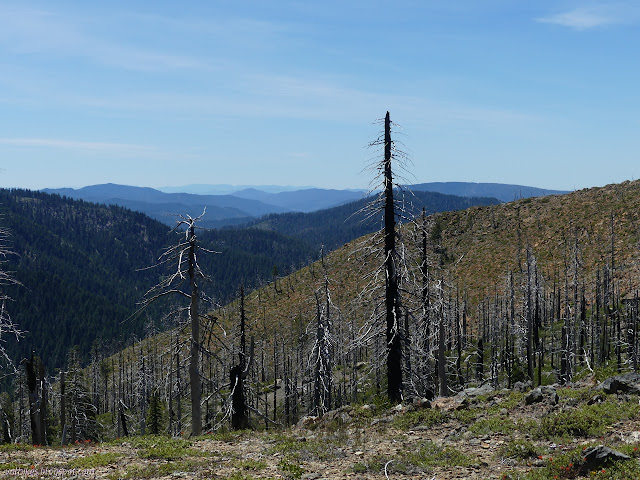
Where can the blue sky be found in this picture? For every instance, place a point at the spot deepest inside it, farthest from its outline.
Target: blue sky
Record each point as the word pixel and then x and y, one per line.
pixel 541 93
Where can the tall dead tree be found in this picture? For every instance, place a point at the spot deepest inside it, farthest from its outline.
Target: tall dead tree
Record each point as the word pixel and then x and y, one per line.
pixel 321 352
pixel 238 373
pixel 184 279
pixel 37 399
pixel 7 327
pixel 392 258
pixel 392 295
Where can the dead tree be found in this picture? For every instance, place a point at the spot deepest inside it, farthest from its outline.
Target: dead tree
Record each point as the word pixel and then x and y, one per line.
pixel 37 399
pixel 321 352
pixel 238 373
pixel 184 279
pixel 392 259
pixel 7 327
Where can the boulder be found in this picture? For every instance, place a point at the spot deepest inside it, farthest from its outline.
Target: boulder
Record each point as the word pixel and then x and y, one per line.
pixel 625 383
pixel 600 456
pixel 449 403
pixel 522 386
pixel 420 403
pixel 596 399
pixel 474 392
pixel 542 394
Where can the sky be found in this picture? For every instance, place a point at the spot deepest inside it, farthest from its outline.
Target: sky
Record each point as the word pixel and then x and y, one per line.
pixel 158 93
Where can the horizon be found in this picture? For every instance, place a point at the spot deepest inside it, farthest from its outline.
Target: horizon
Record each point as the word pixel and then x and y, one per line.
pixel 158 94
pixel 193 188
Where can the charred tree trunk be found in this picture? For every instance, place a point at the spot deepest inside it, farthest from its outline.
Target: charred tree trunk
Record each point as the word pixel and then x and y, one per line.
pixel 37 398
pixel 239 415
pixel 194 370
pixel 394 346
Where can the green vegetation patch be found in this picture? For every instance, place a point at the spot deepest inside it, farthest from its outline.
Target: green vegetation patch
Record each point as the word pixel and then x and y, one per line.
pixel 468 415
pixel 253 465
pixel 571 465
pixel 302 449
pixel 430 455
pixel 426 456
pixel 16 447
pixel 290 469
pixel 494 424
pixel 95 460
pixel 152 471
pixel 160 447
pixel 517 449
pixel 425 417
pixel 587 420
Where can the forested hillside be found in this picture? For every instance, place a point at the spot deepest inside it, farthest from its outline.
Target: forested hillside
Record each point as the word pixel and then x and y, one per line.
pixel 335 226
pixel 79 265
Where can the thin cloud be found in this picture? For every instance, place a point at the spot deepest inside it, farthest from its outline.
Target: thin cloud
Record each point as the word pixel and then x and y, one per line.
pixel 95 147
pixel 586 18
pixel 32 31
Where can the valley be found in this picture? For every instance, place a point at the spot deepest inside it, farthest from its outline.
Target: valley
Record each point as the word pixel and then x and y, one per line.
pixel 540 290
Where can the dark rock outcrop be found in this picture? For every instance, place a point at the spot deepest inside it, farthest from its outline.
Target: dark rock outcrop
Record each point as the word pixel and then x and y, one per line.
pixel 625 383
pixel 542 394
pixel 600 456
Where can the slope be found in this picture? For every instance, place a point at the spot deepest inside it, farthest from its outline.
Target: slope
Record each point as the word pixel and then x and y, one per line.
pixel 335 226
pixel 80 263
pixel 474 249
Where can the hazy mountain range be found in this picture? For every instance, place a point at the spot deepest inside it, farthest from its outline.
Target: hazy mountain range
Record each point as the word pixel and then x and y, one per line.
pixel 235 205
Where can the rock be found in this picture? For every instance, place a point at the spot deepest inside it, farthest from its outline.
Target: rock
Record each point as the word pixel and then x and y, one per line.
pixel 625 383
pixel 309 421
pixel 550 395
pixel 311 476
pixel 522 386
pixel 446 403
pixel 474 392
pixel 595 399
pixel 546 394
pixel 534 396
pixel 596 457
pixel 387 419
pixel 419 403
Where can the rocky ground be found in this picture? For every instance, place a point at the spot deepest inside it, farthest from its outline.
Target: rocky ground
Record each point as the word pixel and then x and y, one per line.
pixel 479 434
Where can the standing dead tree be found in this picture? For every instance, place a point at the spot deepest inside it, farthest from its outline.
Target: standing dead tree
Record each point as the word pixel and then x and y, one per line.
pixel 321 360
pixel 238 373
pixel 7 327
pixel 37 399
pixel 184 280
pixel 388 250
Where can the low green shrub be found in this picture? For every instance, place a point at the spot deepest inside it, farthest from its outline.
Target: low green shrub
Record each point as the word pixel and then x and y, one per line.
pixel 517 449
pixel 426 417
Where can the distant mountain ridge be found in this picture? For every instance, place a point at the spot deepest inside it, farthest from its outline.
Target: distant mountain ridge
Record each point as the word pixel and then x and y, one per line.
pixel 307 200
pixel 241 204
pixel 227 189
pixel 221 209
pixel 502 191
